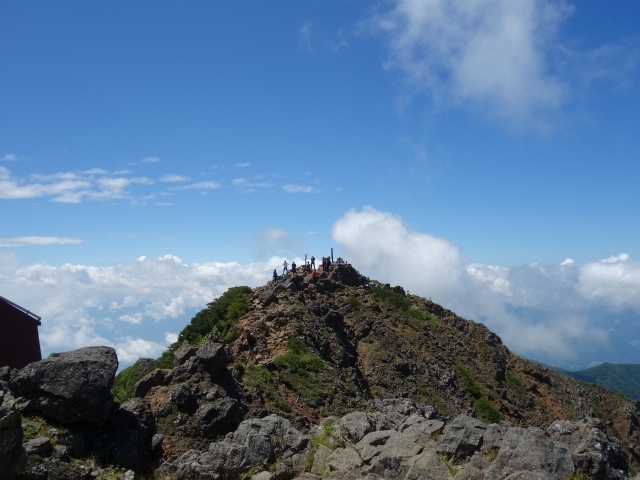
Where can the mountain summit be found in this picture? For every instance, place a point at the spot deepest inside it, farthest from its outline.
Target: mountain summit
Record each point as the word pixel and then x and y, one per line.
pixel 349 379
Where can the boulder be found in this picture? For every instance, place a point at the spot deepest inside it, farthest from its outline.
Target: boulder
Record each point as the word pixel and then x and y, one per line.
pixel 155 378
pixel 462 437
pixel 70 387
pixel 594 453
pixel 183 353
pixel 212 354
pixel 531 450
pixel 40 446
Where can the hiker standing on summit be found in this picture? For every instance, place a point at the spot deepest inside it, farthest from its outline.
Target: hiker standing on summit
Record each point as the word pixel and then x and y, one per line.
pixel 313 262
pixel 284 267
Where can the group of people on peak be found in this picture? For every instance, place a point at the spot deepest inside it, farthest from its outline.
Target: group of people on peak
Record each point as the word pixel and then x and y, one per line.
pixel 308 267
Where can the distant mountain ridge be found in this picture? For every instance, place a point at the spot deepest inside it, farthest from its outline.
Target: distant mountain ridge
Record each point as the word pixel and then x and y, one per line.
pixel 623 378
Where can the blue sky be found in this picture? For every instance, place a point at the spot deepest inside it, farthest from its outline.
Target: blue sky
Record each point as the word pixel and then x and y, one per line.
pixel 480 153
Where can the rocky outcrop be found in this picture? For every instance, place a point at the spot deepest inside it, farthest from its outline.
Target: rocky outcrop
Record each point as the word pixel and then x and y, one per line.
pixel 402 441
pixel 255 442
pixel 71 387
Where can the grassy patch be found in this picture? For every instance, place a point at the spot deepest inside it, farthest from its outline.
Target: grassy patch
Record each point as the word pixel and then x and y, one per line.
pixel 299 370
pixel 260 378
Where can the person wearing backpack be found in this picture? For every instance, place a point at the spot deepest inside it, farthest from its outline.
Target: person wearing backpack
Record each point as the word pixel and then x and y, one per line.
pixel 250 342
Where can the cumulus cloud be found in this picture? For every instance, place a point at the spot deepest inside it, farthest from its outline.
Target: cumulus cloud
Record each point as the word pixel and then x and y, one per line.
pixel 560 314
pixel 615 279
pixel 488 54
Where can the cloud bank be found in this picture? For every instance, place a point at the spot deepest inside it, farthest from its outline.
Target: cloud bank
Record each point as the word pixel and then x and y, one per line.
pixel 138 307
pixel 568 314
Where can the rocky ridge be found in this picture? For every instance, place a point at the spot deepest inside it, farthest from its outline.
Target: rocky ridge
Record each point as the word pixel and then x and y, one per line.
pixel 352 379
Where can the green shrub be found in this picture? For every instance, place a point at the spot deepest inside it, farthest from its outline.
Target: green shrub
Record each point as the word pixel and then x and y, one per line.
pixel 298 357
pixel 125 382
pixel 516 390
pixel 390 299
pixel 472 387
pixel 487 412
pixel 220 316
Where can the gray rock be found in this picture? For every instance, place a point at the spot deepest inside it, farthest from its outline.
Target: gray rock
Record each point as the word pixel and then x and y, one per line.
pixel 212 354
pixel 594 454
pixel 372 443
pixel 40 446
pixel 152 379
pixel 255 442
pixel 70 387
pixel 342 459
pixel 217 417
pixel 125 439
pixel 183 353
pixel 428 467
pixel 462 438
pixel 320 460
pixel 531 450
pixel 388 468
pixel 357 425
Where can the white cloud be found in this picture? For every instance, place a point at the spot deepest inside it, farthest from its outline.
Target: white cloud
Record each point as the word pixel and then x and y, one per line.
pixel 150 160
pixel 615 280
pixel 291 188
pixel 37 240
pixel 492 54
pixel 131 349
pixel 243 165
pixel 173 178
pixel 200 186
pixel 10 157
pixel 382 247
pixel 68 187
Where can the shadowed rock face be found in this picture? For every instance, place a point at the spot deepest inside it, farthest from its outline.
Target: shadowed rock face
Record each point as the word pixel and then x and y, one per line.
pixel 70 387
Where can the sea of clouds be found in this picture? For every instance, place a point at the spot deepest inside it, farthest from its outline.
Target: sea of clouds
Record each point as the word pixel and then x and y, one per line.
pixel 570 315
